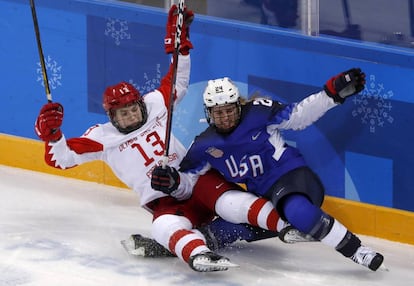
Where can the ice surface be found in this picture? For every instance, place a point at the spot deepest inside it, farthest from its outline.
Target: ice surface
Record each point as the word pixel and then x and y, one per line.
pixel 59 231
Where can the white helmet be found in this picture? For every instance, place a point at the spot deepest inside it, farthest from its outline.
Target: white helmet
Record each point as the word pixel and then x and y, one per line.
pixel 220 91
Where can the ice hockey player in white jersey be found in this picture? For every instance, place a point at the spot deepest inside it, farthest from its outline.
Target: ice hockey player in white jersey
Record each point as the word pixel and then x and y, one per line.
pixel 244 143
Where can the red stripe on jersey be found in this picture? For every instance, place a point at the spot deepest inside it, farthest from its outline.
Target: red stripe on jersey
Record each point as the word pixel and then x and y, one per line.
pixel 78 145
pixel 254 210
pixel 48 156
pixel 84 145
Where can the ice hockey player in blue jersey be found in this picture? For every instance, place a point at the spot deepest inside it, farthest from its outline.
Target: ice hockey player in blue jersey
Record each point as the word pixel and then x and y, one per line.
pixel 245 144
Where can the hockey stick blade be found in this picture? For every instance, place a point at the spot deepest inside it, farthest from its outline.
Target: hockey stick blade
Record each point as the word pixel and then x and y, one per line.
pixel 140 251
pixel 138 245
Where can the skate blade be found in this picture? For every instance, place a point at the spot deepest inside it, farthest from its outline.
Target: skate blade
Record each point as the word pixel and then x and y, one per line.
pixel 383 268
pixel 140 251
pixel 226 264
pixel 294 236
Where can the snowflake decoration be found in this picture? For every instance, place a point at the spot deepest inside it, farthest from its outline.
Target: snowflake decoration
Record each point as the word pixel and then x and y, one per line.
pixel 53 71
pixel 181 116
pixel 150 83
pixel 117 29
pixel 373 105
pixel 153 81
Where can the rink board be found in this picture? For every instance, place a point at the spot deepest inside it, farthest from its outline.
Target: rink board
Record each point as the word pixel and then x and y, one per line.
pixel 362 218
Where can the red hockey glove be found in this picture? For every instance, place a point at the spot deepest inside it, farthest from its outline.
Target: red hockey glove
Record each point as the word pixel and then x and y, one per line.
pixel 165 179
pixel 169 39
pixel 345 84
pixel 48 122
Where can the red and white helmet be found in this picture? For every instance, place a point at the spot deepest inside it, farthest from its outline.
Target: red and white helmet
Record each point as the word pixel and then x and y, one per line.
pixel 120 95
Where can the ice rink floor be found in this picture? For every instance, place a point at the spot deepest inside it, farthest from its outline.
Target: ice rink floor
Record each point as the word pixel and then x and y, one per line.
pixel 58 231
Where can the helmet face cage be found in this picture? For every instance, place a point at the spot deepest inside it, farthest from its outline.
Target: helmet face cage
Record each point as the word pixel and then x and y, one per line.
pixel 210 118
pixel 220 92
pixel 122 95
pixel 130 128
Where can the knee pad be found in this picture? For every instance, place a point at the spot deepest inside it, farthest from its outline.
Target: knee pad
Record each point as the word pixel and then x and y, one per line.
pixel 243 207
pixel 233 206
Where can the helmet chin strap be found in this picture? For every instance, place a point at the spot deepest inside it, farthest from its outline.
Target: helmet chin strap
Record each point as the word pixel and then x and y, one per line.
pixel 130 128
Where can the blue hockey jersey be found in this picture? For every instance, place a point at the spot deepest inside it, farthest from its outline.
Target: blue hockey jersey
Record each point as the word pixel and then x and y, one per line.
pixel 255 153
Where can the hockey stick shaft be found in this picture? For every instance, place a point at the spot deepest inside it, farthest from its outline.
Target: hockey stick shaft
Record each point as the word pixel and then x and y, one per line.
pixel 347 14
pixel 411 13
pixel 177 42
pixel 40 50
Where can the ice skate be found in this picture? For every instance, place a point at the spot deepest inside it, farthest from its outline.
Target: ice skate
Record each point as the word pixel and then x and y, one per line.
pixel 289 234
pixel 209 261
pixel 139 245
pixel 368 258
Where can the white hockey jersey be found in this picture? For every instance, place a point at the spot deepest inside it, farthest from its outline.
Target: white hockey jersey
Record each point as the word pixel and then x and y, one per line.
pixel 133 156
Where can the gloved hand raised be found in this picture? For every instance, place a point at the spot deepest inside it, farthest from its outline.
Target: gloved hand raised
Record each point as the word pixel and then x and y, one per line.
pixel 169 39
pixel 345 84
pixel 165 179
pixel 48 122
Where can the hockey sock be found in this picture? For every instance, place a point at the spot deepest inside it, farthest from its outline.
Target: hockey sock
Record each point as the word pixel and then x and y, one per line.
pixel 301 213
pixel 176 234
pixel 311 220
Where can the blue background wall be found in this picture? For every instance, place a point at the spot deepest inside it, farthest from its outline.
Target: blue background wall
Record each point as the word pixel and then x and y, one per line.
pixel 362 149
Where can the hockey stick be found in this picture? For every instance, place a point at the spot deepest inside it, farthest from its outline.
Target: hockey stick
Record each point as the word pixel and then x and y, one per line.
pixel 39 48
pixel 347 14
pixel 177 42
pixel 411 13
